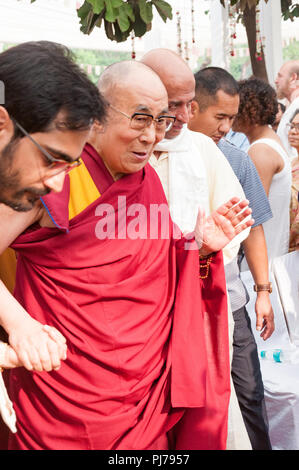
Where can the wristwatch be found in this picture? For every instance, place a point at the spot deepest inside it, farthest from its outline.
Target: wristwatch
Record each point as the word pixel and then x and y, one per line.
pixel 263 287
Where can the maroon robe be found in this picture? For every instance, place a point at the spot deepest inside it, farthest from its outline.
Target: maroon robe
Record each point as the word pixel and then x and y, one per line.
pixel 133 313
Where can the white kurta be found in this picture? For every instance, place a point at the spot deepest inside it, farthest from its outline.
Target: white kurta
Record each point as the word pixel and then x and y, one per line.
pixel 199 175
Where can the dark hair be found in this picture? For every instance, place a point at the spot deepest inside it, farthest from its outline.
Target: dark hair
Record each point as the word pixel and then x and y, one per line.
pixel 209 81
pixel 258 102
pixel 281 106
pixel 295 114
pixel 41 79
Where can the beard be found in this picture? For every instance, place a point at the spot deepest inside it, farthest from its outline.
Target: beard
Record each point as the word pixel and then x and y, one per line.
pixel 24 200
pixel 11 192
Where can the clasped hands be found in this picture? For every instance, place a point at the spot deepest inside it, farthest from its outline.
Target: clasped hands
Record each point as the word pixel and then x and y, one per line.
pixel 34 346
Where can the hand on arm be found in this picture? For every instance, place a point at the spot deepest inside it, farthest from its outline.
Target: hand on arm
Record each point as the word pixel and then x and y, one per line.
pixel 37 347
pixel 255 250
pixel 8 357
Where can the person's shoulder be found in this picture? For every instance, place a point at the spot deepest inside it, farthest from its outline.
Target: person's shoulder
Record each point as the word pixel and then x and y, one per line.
pixel 230 149
pixel 200 139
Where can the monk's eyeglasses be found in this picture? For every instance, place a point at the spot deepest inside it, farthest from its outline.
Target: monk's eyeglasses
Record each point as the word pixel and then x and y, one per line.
pixel 140 121
pixel 55 165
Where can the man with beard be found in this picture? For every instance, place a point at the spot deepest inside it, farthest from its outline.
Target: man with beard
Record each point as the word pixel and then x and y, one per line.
pixel 47 109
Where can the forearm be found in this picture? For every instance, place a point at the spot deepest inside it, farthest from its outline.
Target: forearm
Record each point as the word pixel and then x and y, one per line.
pixel 37 346
pixel 11 311
pixel 255 250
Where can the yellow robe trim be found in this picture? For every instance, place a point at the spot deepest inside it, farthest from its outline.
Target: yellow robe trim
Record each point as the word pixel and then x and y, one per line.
pixel 83 191
pixel 8 265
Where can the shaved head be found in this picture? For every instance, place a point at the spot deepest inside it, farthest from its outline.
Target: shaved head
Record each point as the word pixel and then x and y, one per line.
pixel 179 82
pixel 287 80
pixel 170 67
pixel 292 66
pixel 126 75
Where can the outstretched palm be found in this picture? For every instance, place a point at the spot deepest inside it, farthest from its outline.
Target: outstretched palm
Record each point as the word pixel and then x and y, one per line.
pixel 214 232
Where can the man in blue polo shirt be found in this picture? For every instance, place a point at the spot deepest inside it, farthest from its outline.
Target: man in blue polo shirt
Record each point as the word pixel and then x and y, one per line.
pixel 212 113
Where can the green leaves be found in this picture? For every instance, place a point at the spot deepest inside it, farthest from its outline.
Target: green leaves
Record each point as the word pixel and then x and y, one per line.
pixel 164 9
pixel 97 5
pixel 146 11
pixel 121 16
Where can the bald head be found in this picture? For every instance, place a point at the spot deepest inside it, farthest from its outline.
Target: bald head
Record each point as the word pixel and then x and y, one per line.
pixel 179 82
pixel 287 80
pixel 168 65
pixel 292 66
pixel 126 75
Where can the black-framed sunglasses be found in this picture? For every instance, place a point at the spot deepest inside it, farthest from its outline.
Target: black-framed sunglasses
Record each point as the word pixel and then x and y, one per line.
pixel 55 165
pixel 140 121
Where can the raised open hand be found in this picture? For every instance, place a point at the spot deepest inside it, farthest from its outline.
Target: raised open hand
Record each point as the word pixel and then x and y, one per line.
pixel 214 232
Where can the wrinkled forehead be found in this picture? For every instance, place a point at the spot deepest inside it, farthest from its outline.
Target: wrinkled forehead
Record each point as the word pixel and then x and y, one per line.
pixel 145 96
pixel 180 87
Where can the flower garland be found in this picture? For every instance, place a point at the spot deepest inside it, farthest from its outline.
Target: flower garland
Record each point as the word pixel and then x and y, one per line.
pixel 179 33
pixel 232 28
pixel 192 22
pixel 259 39
pixel 133 53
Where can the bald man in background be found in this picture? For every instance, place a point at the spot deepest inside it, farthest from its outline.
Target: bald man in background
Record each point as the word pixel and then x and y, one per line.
pixel 287 85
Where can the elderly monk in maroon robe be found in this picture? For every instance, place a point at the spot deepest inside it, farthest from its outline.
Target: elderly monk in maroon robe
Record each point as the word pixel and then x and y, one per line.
pixel 104 265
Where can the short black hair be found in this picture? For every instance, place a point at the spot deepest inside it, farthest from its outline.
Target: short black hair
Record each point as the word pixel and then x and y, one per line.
pixel 40 80
pixel 209 80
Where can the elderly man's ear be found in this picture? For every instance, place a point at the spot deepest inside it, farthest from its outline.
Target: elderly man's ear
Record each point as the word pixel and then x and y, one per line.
pixel 95 132
pixel 294 82
pixel 97 127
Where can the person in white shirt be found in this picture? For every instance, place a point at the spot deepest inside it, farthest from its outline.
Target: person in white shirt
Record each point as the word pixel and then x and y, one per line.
pixel 287 86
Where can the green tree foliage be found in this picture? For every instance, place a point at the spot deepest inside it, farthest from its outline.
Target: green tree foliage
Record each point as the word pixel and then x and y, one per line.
pixel 291 52
pixel 121 17
pixel 246 13
pixel 289 9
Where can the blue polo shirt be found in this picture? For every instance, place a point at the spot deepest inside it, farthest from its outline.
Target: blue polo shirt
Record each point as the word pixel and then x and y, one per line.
pixel 250 181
